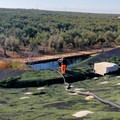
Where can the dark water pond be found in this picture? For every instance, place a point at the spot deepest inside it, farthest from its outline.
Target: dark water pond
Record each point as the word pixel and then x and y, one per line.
pixel 71 61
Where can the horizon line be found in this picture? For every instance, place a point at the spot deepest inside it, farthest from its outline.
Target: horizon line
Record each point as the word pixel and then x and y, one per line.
pixel 62 10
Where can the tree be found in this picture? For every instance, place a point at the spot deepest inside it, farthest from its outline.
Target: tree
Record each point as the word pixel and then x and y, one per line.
pixel 69 37
pixel 56 42
pixel 117 41
pixel 70 30
pixel 33 46
pixel 30 31
pixel 79 43
pixel 109 38
pixel 42 38
pixel 90 38
pixel 11 43
pixel 101 38
pixel 2 44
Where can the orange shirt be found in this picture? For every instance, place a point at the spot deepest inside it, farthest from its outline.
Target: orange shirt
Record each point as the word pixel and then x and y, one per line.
pixel 63 68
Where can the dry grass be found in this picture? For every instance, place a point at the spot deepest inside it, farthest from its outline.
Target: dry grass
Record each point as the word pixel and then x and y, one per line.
pixel 19 65
pixel 11 64
pixel 4 64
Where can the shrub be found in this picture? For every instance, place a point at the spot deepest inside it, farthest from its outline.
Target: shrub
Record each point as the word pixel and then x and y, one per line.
pixel 4 64
pixel 18 65
pixel 11 81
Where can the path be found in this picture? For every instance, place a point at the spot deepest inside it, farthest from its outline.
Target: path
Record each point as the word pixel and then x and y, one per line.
pixel 16 57
pixel 52 57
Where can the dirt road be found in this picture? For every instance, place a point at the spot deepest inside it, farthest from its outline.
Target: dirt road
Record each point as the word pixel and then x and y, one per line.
pixel 52 57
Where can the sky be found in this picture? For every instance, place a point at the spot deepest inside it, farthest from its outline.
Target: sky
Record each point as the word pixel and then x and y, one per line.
pixel 89 6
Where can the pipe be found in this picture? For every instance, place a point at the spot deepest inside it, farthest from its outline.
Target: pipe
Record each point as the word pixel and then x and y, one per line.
pixel 115 105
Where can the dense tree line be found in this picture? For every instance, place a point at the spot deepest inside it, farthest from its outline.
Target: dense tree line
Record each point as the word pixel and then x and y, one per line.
pixel 56 30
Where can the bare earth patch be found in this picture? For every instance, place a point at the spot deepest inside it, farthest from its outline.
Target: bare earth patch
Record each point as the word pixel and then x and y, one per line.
pixel 81 114
pixel 25 56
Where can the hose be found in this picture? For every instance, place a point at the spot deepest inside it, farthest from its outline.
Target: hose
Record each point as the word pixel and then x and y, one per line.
pixel 115 105
pixel 57 71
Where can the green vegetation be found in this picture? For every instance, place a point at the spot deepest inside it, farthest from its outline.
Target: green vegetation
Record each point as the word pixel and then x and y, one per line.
pixel 114 60
pixel 45 77
pixel 32 78
pixel 55 103
pixel 56 31
pixel 32 29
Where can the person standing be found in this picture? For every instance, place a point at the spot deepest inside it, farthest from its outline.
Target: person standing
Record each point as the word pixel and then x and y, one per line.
pixel 62 62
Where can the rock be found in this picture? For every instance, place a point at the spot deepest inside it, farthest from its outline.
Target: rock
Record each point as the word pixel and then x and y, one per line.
pixel 40 88
pixel 105 82
pixel 95 78
pixel 118 84
pixel 82 113
pixel 89 98
pixel 118 77
pixel 24 98
pixel 28 93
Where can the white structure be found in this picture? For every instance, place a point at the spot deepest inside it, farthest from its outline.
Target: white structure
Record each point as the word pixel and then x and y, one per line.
pixel 105 67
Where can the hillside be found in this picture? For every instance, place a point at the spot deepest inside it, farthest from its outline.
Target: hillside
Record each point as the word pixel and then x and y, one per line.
pixel 54 102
